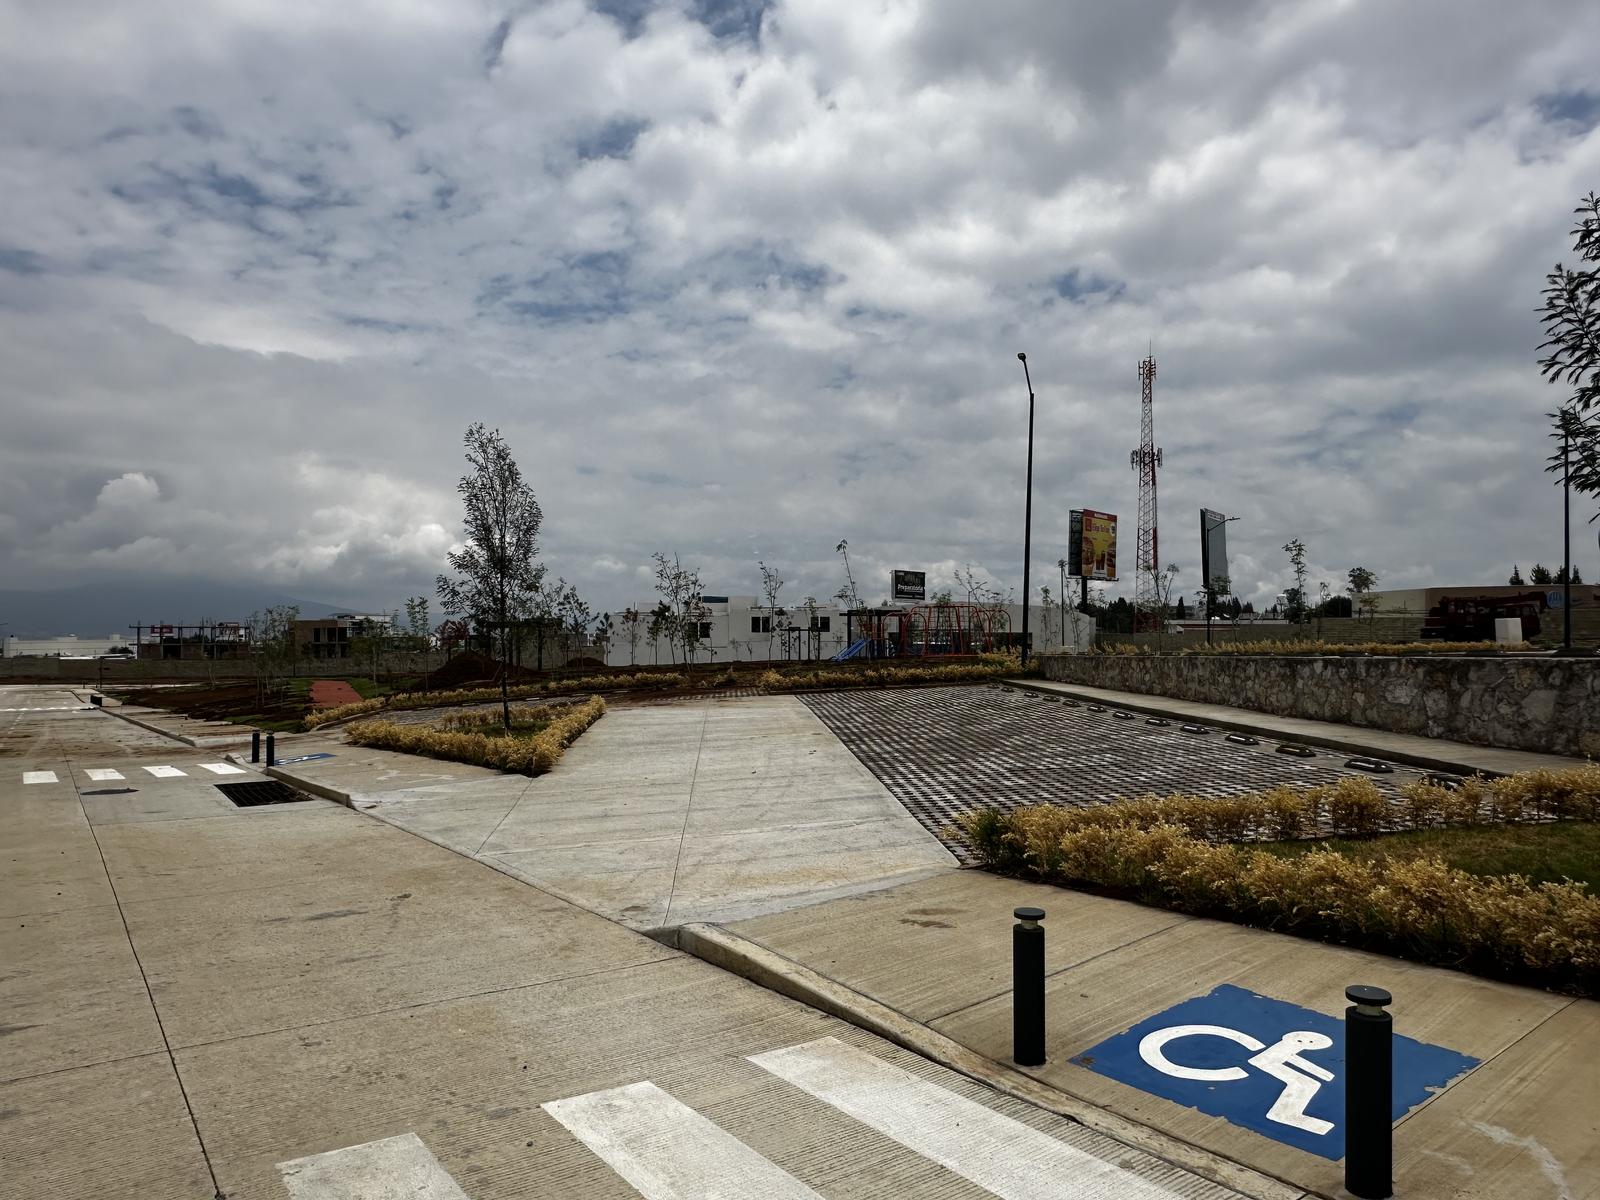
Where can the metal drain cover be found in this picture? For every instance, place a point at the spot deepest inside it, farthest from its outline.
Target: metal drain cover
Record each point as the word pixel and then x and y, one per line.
pixel 259 792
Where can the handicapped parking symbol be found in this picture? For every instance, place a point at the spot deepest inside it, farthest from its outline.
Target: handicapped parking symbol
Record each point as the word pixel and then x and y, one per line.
pixel 1282 1060
pixel 1263 1064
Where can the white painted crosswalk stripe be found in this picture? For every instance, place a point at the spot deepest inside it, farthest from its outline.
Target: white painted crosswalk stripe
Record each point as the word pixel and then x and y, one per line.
pixel 988 1148
pixel 38 777
pixel 166 772
pixel 667 1151
pixel 397 1166
pixel 102 774
pixel 222 768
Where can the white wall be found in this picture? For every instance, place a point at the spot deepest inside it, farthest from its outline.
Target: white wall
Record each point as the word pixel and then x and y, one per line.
pixel 732 639
pixel 72 644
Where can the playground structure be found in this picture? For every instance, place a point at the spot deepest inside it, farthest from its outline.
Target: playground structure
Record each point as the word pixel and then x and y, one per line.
pixel 926 631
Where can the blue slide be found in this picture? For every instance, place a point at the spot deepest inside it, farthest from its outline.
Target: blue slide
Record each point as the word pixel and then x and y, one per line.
pixel 851 651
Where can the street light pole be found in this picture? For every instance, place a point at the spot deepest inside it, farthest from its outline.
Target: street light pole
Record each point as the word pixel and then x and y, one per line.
pixel 1027 520
pixel 1566 537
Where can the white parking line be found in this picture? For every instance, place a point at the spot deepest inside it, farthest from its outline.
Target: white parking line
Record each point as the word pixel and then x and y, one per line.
pixel 667 1151
pixel 38 777
pixel 988 1148
pixel 222 768
pixel 397 1166
pixel 102 774
pixel 166 772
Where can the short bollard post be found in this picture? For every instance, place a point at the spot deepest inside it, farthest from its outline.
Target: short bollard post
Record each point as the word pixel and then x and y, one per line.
pixel 1027 987
pixel 272 750
pixel 255 745
pixel 1368 1093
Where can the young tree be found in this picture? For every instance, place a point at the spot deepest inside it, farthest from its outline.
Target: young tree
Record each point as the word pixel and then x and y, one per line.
pixel 1540 575
pixel 771 585
pixel 498 567
pixel 632 623
pixel 1049 615
pixel 679 589
pixel 1361 581
pixel 847 594
pixel 1571 320
pixel 1516 576
pixel 1164 582
pixel 604 631
pixel 662 625
pixel 1296 550
pixel 273 653
pixel 573 618
pixel 414 636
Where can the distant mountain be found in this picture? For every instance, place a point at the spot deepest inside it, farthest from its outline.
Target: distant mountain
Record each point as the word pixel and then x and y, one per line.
pixel 96 609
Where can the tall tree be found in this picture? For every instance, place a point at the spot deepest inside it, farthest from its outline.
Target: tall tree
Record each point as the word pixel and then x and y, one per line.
pixel 498 564
pixel 1296 550
pixel 1516 576
pixel 847 594
pixel 1571 320
pixel 679 588
pixel 1540 575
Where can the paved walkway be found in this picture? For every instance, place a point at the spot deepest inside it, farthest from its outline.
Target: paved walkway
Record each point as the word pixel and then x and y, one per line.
pixel 1434 754
pixel 301 1002
pixel 1526 1123
pixel 659 815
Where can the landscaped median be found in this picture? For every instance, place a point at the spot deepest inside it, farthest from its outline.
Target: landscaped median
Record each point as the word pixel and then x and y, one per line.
pixel 1180 852
pixel 651 681
pixel 534 743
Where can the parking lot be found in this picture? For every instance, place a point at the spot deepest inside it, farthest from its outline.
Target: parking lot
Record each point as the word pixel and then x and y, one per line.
pixel 944 752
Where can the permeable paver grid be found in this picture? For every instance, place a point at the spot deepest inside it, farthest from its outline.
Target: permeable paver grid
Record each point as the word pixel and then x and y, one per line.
pixel 943 752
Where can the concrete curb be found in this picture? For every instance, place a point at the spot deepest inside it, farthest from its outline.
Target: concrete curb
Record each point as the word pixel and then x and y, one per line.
pixel 166 733
pixel 742 957
pixel 1353 746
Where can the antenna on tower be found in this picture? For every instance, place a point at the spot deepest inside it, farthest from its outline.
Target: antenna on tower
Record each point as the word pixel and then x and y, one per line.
pixel 1145 460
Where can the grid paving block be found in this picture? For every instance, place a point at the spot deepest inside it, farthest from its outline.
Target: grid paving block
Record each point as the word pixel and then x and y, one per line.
pixel 946 752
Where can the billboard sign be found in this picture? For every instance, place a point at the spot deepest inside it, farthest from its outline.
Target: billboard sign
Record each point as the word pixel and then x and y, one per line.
pixel 909 585
pixel 1098 545
pixel 1213 548
pixel 1075 543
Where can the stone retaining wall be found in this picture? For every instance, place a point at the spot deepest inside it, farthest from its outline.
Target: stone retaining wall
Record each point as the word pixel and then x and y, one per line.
pixel 1519 702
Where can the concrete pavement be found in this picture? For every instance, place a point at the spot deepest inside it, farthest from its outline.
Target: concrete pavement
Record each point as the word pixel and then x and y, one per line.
pixel 1525 1123
pixel 1433 754
pixel 298 1001
pixel 660 814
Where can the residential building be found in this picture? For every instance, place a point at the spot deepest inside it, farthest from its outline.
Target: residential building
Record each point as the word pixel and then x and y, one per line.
pixel 330 637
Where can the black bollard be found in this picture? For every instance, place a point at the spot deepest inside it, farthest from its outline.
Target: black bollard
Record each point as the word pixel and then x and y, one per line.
pixel 255 745
pixel 272 751
pixel 1368 1093
pixel 1027 987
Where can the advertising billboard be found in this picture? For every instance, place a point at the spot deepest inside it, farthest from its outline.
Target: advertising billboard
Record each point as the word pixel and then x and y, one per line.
pixel 1213 548
pixel 1098 545
pixel 909 585
pixel 1075 543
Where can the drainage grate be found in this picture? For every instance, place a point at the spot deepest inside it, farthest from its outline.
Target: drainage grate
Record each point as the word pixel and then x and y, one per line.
pixel 251 795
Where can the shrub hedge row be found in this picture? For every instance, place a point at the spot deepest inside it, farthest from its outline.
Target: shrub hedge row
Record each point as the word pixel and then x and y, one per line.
pixel 553 687
pixel 528 755
pixel 988 666
pixel 1174 853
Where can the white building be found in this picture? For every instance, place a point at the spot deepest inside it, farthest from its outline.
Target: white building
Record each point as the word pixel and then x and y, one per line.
pixel 742 629
pixel 70 646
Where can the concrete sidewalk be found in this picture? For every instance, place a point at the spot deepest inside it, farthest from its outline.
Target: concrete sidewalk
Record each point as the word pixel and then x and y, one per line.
pixel 659 815
pixel 1526 1123
pixel 1432 754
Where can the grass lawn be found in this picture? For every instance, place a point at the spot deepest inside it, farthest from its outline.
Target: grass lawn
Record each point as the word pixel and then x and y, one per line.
pixel 1544 853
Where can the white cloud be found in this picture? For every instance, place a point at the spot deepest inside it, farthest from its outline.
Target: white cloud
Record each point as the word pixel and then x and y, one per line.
pixel 262 265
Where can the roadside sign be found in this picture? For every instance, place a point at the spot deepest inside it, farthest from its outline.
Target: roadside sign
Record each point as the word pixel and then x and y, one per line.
pixel 910 585
pixel 1263 1064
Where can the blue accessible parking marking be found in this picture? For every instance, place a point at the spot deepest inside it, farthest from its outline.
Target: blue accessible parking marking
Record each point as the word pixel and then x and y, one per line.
pixel 1264 1064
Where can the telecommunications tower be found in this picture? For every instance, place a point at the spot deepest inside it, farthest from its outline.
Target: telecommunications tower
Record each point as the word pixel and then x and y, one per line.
pixel 1145 460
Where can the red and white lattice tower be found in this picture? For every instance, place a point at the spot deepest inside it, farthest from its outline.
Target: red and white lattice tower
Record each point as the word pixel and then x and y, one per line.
pixel 1145 460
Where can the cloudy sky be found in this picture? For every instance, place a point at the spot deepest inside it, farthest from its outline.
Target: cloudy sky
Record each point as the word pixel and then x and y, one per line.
pixel 740 279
